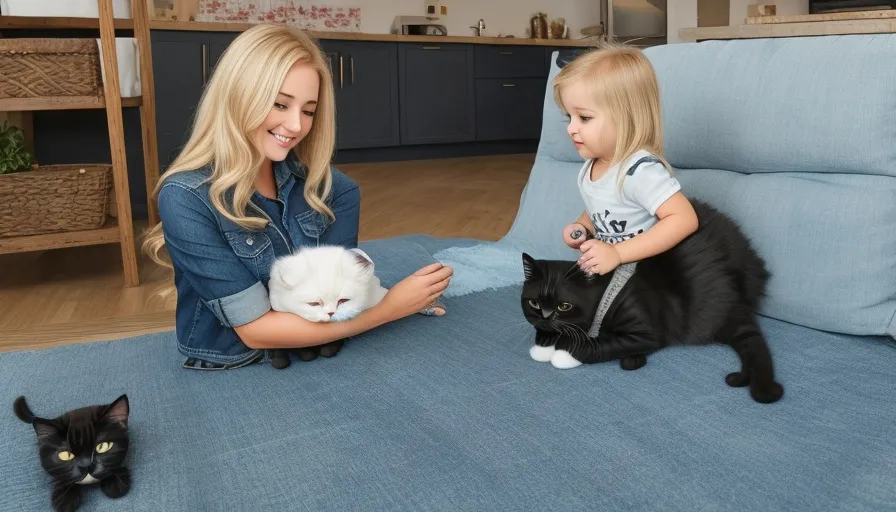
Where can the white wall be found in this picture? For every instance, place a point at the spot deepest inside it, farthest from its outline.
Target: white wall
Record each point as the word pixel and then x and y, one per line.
pixel 505 17
pixel 680 14
pixel 738 12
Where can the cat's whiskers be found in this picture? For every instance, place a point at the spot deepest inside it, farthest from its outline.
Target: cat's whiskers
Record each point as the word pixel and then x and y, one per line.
pixel 570 334
pixel 584 334
pixel 522 339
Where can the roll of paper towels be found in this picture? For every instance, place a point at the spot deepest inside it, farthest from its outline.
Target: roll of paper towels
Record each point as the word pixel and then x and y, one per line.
pixel 65 8
pixel 128 65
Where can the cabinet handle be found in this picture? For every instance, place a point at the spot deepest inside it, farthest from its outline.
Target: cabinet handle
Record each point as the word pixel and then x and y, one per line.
pixel 509 85
pixel 351 61
pixel 340 71
pixel 505 53
pixel 204 64
pixel 431 47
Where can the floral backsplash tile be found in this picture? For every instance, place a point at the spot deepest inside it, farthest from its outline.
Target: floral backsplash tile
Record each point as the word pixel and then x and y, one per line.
pixel 304 15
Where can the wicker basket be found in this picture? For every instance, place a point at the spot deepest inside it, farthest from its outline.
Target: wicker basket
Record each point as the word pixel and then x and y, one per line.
pixel 54 198
pixel 40 68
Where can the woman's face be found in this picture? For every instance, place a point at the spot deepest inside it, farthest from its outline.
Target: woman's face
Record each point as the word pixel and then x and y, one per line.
pixel 291 114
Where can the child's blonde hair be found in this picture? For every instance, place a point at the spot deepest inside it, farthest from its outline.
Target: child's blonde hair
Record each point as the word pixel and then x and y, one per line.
pixel 623 82
pixel 237 99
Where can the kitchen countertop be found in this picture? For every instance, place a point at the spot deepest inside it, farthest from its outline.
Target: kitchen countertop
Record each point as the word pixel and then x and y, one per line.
pixel 34 22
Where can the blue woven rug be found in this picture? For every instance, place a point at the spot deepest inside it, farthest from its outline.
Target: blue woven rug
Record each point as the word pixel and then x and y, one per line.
pixel 451 414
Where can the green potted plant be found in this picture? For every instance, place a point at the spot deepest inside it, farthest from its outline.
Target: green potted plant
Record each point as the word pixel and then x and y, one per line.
pixel 14 153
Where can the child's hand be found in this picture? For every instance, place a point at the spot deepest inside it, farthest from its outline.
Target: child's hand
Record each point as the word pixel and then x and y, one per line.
pixel 598 257
pixel 574 228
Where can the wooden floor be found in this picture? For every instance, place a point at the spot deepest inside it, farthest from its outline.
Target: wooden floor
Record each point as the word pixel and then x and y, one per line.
pixel 78 295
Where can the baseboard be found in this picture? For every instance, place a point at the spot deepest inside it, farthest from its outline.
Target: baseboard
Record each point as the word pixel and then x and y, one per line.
pixel 432 151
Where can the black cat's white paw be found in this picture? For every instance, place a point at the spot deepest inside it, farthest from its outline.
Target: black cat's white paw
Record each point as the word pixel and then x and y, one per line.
pixel 563 360
pixel 541 354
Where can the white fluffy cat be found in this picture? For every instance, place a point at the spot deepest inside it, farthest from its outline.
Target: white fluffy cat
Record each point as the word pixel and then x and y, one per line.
pixel 324 283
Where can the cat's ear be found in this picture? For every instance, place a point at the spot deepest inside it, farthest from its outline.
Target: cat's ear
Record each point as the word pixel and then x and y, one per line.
pixel 118 411
pixel 44 428
pixel 283 269
pixel 530 267
pixel 363 260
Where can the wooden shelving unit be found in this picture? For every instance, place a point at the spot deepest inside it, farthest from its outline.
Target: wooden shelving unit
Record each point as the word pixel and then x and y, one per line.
pixel 118 229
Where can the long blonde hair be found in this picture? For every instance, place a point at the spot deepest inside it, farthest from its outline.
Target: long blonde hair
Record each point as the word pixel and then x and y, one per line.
pixel 237 99
pixel 623 81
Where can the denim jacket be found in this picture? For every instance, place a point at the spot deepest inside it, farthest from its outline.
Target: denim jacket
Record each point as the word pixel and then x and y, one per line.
pixel 221 270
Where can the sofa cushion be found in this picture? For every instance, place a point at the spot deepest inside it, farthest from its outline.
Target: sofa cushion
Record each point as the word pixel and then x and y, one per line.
pixel 804 104
pixel 829 241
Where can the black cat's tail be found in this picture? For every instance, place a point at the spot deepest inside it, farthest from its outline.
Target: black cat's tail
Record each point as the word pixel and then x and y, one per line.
pixel 20 407
pixel 743 334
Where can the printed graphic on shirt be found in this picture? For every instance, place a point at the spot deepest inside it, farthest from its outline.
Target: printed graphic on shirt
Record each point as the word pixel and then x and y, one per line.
pixel 610 230
pixel 619 215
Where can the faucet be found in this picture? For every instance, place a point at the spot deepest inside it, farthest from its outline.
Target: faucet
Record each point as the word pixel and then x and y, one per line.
pixel 479 27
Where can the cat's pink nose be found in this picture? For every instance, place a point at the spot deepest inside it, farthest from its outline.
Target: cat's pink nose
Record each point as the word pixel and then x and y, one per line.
pixel 331 313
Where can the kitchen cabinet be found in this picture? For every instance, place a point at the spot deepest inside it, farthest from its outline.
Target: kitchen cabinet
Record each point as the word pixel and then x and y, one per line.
pixel 217 43
pixel 183 62
pixel 510 89
pixel 509 108
pixel 365 79
pixel 437 100
pixel 180 66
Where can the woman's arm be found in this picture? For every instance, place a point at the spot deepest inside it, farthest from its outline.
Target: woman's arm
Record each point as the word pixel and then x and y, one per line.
pixel 277 329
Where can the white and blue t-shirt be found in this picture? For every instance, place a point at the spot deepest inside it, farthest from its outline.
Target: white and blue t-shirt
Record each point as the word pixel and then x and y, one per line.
pixel 620 215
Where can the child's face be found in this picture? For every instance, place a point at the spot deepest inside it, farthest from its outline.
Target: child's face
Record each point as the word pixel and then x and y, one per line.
pixel 291 114
pixel 590 127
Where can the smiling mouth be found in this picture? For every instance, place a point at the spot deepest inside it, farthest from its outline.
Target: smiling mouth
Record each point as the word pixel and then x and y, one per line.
pixel 281 138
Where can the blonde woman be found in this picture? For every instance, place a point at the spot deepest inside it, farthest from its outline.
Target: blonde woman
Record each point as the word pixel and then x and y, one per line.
pixel 634 207
pixel 253 183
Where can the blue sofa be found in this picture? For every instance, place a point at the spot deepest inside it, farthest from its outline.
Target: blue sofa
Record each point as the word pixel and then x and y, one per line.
pixel 794 138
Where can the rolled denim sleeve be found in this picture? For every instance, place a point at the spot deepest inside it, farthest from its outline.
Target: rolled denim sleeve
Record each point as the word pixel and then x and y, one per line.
pixel 202 257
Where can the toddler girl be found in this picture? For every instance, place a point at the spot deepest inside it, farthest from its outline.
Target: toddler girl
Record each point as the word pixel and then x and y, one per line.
pixel 634 208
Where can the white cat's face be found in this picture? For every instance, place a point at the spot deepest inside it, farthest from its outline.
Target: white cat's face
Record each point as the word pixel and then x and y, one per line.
pixel 322 284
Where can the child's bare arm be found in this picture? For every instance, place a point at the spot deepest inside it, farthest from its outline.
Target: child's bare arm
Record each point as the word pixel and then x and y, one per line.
pixel 585 221
pixel 677 221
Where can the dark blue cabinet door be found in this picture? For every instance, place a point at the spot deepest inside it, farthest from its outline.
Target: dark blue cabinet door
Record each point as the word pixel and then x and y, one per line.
pixel 509 108
pixel 179 64
pixel 217 43
pixel 365 79
pixel 436 93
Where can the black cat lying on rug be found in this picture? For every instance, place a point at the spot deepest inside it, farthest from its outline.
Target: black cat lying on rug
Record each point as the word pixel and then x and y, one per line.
pixel 704 290
pixel 83 446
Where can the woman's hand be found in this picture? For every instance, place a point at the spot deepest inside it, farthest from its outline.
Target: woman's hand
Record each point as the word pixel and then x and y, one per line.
pixel 417 291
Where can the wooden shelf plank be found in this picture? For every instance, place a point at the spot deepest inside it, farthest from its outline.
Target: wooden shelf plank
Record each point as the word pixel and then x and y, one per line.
pixel 61 103
pixel 38 22
pixel 107 234
pixel 804 29
pixel 831 16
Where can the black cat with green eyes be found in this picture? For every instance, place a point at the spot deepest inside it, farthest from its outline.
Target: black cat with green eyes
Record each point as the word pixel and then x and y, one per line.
pixel 83 446
pixel 704 290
